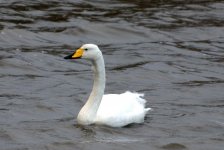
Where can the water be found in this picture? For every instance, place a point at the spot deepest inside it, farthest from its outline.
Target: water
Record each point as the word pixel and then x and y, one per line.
pixel 173 51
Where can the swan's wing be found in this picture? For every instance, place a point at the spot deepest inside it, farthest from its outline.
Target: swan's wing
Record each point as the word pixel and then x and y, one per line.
pixel 122 109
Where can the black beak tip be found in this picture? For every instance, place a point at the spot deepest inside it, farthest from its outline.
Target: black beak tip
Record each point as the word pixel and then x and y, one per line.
pixel 68 57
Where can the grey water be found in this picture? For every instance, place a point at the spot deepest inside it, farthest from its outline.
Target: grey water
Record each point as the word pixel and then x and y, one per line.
pixel 173 51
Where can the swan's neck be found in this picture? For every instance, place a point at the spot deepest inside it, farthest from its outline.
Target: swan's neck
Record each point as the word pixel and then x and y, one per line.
pixel 89 110
pixel 98 85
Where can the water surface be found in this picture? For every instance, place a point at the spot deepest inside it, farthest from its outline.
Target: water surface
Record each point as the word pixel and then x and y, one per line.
pixel 173 51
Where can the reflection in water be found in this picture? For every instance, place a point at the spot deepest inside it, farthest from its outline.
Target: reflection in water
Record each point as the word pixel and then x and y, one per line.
pixel 170 50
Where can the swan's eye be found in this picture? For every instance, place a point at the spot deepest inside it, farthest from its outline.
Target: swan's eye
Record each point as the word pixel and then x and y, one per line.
pixel 86 49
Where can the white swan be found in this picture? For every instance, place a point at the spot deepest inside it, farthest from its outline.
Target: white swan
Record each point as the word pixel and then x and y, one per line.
pixel 115 110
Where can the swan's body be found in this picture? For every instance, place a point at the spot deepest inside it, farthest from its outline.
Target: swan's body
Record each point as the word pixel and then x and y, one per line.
pixel 114 110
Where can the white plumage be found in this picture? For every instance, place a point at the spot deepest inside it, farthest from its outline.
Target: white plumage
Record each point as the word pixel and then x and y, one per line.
pixel 121 109
pixel 114 110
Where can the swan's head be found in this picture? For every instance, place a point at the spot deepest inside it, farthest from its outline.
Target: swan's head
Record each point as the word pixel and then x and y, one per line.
pixel 86 51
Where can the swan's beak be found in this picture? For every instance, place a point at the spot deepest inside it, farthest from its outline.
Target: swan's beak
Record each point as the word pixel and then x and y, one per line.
pixel 78 54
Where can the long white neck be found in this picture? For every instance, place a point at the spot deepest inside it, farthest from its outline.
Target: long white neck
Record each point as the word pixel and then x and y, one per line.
pixel 89 110
pixel 98 85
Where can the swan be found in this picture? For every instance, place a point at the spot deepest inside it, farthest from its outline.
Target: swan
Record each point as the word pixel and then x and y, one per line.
pixel 115 110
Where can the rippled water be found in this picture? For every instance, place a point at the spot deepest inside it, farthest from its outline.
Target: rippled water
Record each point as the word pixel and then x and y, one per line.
pixel 173 51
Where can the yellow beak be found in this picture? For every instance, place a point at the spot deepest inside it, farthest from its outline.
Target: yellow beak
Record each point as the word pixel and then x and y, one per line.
pixel 78 54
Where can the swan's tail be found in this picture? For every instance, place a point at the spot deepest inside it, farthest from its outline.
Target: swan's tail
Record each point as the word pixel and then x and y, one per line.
pixel 148 109
pixel 140 99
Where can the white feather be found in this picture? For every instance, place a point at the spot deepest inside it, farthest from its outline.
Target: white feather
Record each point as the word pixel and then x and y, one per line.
pixel 121 109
